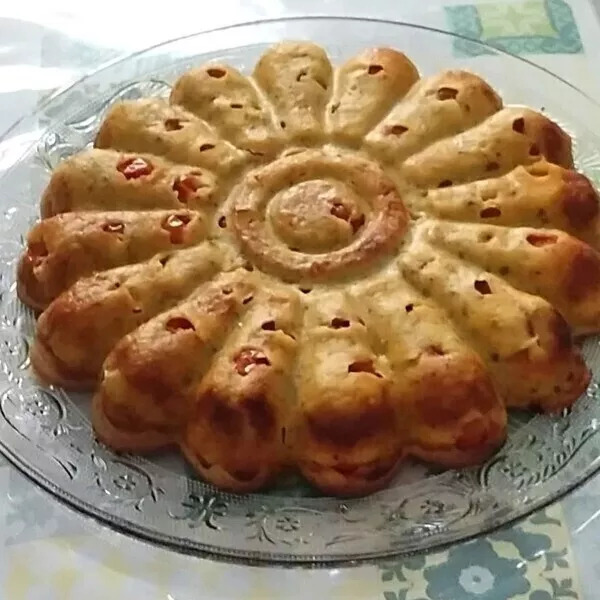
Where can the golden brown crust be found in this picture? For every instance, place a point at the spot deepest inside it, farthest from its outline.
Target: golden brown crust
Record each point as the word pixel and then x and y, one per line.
pixel 435 108
pixel 525 342
pixel 51 370
pixel 125 440
pixel 365 89
pixel 509 138
pixel 223 96
pixel 154 126
pixel 81 326
pixel 296 77
pixel 367 202
pixel 242 408
pixel 459 420
pixel 538 195
pixel 346 418
pixel 385 291
pixel 444 399
pixel 108 180
pixel 348 480
pixel 549 263
pixel 579 203
pixel 239 482
pixel 65 248
pixel 149 377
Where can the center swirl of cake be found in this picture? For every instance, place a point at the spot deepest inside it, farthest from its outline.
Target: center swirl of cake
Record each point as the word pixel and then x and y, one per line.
pixel 318 214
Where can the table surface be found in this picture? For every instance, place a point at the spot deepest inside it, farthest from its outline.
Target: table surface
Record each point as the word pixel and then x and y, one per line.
pixel 49 552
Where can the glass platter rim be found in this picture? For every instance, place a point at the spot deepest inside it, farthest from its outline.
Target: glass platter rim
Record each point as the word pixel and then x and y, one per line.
pixel 257 22
pixel 86 509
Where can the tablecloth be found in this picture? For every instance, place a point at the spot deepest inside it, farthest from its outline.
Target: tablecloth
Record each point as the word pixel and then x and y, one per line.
pixel 48 552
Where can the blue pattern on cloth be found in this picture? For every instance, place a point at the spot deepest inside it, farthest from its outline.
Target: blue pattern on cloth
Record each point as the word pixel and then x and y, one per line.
pixel 526 27
pixel 529 561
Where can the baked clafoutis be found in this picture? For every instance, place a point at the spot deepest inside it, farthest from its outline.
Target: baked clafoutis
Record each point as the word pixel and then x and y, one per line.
pixel 316 268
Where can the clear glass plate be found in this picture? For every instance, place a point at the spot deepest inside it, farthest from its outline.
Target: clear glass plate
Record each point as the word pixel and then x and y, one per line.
pixel 47 434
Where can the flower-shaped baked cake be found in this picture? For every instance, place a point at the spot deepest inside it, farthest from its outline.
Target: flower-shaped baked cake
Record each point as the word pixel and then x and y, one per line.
pixel 316 268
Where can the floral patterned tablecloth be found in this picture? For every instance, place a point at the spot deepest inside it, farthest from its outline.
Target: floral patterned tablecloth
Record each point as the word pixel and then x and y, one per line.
pixel 48 552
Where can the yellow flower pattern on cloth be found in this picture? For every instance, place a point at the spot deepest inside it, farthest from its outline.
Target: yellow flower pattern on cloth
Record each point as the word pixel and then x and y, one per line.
pixel 51 554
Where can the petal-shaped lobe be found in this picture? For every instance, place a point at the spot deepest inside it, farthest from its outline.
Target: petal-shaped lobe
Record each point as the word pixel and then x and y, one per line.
pixel 153 125
pixel 107 180
pixel 539 195
pixel 347 439
pixel 435 108
pixel 365 88
pixel 148 380
pixel 67 247
pixel 525 342
pixel 296 78
pixel 76 332
pixel 546 262
pixel 514 136
pixel 236 436
pixel 442 394
pixel 227 100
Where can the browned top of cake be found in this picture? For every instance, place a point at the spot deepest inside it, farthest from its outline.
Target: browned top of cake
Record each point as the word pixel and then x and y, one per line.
pixel 316 267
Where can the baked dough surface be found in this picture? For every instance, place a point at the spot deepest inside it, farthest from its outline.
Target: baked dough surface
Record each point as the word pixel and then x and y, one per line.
pixel 318 268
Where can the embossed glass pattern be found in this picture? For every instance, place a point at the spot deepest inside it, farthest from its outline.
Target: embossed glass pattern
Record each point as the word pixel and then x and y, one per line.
pixel 46 432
